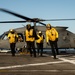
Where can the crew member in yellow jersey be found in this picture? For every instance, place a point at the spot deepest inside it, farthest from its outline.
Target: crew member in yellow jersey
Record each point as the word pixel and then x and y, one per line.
pixel 12 40
pixel 30 39
pixel 52 38
pixel 39 42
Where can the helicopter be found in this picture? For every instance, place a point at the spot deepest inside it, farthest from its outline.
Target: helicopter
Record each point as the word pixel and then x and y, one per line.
pixel 66 38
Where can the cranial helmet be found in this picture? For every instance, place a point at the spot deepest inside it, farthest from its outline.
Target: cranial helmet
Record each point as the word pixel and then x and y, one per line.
pixel 39 32
pixel 11 30
pixel 48 25
pixel 28 26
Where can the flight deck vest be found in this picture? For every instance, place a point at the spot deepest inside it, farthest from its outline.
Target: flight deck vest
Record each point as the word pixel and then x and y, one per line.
pixel 12 37
pixel 29 35
pixel 40 40
pixel 51 34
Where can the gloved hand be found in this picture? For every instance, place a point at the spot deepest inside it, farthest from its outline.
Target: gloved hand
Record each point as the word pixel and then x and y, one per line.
pixel 56 39
pixel 47 43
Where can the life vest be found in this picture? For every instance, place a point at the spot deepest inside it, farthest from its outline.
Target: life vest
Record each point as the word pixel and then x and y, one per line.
pixel 28 34
pixel 51 34
pixel 40 39
pixel 12 37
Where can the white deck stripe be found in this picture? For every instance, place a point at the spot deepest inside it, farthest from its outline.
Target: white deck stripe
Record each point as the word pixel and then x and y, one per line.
pixel 27 65
pixel 66 60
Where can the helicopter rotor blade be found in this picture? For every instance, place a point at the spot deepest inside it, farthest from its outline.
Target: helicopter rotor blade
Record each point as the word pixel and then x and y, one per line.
pixel 58 19
pixel 19 22
pixel 15 14
pixel 20 16
pixel 13 21
pixel 32 20
pixel 37 20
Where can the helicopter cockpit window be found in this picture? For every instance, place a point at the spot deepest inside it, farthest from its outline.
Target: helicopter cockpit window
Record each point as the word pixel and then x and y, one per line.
pixel 20 37
pixel 5 37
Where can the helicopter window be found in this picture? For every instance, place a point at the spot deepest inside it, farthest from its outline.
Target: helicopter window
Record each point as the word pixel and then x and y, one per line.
pixel 20 37
pixel 5 37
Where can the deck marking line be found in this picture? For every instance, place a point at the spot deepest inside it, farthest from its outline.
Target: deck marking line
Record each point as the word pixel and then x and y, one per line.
pixel 27 65
pixel 66 60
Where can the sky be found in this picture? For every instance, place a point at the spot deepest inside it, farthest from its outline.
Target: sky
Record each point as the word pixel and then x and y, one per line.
pixel 44 9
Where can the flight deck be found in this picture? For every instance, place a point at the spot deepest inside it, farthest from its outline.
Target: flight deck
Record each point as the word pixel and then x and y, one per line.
pixel 23 64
